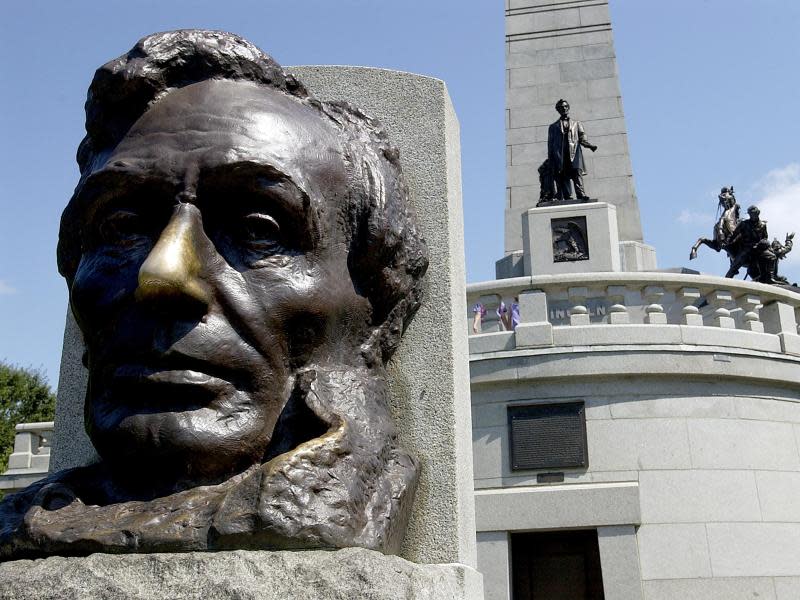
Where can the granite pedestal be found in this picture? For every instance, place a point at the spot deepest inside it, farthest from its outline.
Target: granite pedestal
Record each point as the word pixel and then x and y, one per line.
pixel 241 575
pixel 595 234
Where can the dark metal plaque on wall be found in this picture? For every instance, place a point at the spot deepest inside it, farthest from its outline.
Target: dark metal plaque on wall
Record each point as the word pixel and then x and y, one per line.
pixel 570 240
pixel 548 436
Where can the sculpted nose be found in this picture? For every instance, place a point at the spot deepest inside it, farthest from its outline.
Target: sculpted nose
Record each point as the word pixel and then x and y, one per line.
pixel 173 267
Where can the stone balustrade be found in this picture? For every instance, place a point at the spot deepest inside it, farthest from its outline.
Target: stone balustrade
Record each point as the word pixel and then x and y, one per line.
pixel 636 308
pixel 30 460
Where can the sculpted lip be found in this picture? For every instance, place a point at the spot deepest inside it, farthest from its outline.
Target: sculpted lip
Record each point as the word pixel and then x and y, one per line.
pixel 167 376
pixel 140 389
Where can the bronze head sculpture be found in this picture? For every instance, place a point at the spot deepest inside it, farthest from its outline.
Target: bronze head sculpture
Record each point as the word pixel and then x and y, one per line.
pixel 242 260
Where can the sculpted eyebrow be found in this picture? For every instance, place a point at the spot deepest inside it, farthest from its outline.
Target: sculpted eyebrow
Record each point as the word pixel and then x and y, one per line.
pixel 255 182
pixel 230 189
pixel 108 185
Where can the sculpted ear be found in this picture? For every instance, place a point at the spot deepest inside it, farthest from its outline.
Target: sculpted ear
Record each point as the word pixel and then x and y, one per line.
pixel 388 256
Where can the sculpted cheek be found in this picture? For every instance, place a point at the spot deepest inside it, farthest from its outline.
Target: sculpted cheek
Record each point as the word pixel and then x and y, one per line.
pixel 326 321
pixel 100 284
pixel 296 307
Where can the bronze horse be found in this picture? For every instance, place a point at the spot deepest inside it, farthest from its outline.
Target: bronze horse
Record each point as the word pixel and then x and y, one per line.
pixel 724 228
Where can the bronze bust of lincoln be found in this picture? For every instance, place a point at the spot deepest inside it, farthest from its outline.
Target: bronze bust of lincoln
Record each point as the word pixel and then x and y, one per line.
pixel 242 260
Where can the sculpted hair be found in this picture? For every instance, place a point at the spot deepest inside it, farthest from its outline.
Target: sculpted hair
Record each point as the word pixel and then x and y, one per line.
pixel 388 256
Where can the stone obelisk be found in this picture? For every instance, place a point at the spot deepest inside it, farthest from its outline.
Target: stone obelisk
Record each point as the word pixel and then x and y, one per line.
pixel 566 50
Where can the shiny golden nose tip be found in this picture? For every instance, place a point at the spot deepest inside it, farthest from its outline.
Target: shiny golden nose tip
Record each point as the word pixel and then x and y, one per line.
pixel 172 268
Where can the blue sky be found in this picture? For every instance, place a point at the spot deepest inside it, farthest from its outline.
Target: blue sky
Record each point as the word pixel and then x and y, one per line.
pixel 709 88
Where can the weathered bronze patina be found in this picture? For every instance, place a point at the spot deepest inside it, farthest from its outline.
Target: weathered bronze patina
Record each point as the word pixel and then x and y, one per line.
pixel 753 250
pixel 564 167
pixel 242 260
pixel 729 217
pixel 746 242
pixel 570 239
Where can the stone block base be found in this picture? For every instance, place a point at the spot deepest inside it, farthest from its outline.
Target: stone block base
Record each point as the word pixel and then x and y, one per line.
pixel 307 575
pixel 637 256
pixel 571 238
pixel 534 335
pixel 509 266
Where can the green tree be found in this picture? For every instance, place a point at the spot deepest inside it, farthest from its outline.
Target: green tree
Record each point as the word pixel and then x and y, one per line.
pixel 25 397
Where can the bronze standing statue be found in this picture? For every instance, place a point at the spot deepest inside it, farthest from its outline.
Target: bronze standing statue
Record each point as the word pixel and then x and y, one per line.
pixel 564 167
pixel 242 260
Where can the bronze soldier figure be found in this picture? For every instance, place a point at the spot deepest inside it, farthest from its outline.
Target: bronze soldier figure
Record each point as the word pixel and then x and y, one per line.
pixel 754 250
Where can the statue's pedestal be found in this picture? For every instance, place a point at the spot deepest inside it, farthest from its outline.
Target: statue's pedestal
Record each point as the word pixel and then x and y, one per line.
pixel 576 237
pixel 241 574
pixel 570 238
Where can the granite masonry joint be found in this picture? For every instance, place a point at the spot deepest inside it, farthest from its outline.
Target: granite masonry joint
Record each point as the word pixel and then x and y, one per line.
pixel 552 33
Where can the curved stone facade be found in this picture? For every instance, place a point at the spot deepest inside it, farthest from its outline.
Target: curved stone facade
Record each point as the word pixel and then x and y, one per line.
pixel 693 431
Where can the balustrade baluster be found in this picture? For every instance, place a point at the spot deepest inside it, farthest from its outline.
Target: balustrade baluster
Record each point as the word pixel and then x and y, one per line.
pixel 691 314
pixel 617 311
pixel 652 294
pixel 722 316
pixel 578 313
pixel 751 321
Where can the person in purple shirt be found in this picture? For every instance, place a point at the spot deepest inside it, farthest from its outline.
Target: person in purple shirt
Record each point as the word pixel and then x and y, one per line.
pixel 478 312
pixel 509 318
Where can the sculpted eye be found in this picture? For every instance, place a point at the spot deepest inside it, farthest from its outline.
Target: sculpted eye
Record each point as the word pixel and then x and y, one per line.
pixel 259 230
pixel 123 226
